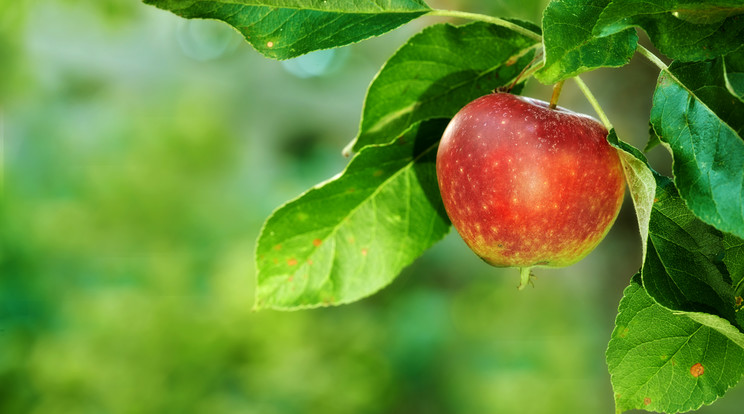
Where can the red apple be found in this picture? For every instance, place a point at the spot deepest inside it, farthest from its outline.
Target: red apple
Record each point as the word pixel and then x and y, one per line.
pixel 528 185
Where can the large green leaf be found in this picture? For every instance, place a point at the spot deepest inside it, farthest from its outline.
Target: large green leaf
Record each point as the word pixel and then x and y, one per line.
pixel 701 122
pixel 351 236
pixel 661 361
pixel 570 46
pixel 687 265
pixel 683 30
pixel 683 268
pixel 282 29
pixel 436 73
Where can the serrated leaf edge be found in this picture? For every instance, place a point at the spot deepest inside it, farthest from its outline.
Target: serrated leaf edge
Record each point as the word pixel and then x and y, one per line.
pixel 738 337
pixel 256 305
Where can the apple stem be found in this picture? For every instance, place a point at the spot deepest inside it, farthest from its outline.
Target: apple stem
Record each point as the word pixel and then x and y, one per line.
pixel 524 275
pixel 556 94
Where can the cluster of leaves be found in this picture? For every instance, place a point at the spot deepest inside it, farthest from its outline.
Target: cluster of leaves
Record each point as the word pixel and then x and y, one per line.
pixel 679 336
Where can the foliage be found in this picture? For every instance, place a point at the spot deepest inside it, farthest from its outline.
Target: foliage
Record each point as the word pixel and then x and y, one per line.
pixel 691 227
pixel 678 341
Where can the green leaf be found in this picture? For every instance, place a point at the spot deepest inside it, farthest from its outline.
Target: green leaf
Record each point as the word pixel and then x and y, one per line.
pixel 436 73
pixel 661 361
pixel 702 122
pixel 719 324
pixel 734 72
pixel 687 264
pixel 351 236
pixel 641 183
pixel 706 81
pixel 683 30
pixel 683 269
pixel 282 29
pixel 570 46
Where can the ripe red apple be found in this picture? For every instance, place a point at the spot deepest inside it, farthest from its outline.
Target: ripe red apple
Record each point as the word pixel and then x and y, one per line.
pixel 528 185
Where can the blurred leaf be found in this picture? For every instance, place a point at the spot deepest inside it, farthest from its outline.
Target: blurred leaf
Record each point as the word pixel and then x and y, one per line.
pixel 682 269
pixel 282 29
pixel 570 46
pixel 676 26
pixel 661 361
pixel 640 180
pixel 351 236
pixel 707 12
pixel 734 72
pixel 436 73
pixel 695 114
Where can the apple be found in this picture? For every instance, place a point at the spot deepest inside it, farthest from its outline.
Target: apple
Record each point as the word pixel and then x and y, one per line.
pixel 528 185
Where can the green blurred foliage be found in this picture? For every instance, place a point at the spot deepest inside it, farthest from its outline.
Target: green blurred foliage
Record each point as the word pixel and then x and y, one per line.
pixel 142 152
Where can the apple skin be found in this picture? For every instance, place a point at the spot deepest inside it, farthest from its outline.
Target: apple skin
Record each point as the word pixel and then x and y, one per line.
pixel 526 185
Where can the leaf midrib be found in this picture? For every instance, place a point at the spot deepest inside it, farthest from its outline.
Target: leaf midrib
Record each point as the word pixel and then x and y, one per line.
pixel 406 111
pixel 336 227
pixel 381 11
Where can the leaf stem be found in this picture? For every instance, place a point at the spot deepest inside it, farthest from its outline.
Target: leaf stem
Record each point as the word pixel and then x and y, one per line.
pixel 661 65
pixel 592 100
pixel 529 69
pixel 664 68
pixel 488 19
pixel 651 57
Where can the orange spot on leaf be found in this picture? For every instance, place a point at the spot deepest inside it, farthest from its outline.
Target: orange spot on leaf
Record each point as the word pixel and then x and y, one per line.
pixel 697 370
pixel 270 44
pixel 364 252
pixel 291 261
pixel 278 247
pixel 646 401
pixel 317 242
pixel 309 261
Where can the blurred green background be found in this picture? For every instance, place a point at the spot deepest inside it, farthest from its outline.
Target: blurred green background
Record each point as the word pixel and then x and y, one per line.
pixel 140 155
